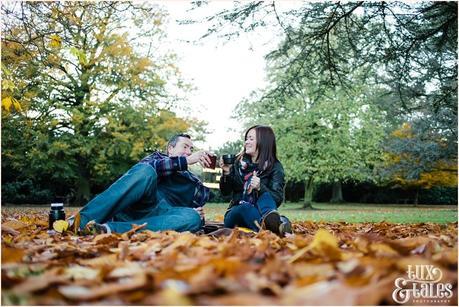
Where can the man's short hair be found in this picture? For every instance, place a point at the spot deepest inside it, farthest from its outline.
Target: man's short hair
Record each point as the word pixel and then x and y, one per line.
pixel 173 140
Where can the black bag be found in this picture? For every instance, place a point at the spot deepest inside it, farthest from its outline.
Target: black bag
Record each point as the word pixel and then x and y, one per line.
pixel 212 226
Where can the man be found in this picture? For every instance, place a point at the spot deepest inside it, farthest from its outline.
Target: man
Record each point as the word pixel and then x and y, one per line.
pixel 158 191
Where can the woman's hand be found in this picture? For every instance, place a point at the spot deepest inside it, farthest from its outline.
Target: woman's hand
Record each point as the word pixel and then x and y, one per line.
pixel 225 168
pixel 255 182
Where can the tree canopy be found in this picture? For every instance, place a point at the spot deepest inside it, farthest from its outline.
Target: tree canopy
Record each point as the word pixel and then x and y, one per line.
pixel 406 52
pixel 332 137
pixel 87 91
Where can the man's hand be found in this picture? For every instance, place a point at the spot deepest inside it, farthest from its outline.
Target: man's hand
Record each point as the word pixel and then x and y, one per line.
pixel 200 211
pixel 201 156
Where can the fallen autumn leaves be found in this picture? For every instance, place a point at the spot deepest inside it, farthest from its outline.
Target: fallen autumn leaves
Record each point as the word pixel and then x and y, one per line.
pixel 322 264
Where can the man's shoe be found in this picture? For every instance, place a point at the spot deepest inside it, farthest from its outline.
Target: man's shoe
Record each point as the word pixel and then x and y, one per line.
pixel 286 226
pixel 93 228
pixel 71 220
pixel 272 221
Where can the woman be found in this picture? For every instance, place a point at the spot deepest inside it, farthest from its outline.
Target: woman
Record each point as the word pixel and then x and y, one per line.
pixel 256 182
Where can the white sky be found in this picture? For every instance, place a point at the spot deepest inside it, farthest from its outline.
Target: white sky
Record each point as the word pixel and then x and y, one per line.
pixel 222 73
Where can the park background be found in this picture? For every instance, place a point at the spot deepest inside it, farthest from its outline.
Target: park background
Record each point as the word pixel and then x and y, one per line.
pixel 362 97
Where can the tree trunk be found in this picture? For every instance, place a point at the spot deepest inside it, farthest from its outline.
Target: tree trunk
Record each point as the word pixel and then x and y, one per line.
pixel 337 193
pixel 308 189
pixel 83 192
pixel 83 188
pixel 416 198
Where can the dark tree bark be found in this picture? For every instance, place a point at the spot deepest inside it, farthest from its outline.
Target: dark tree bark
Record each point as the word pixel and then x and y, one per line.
pixel 416 197
pixel 337 193
pixel 308 190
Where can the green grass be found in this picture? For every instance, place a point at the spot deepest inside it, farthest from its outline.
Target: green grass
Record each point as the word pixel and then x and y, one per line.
pixel 354 213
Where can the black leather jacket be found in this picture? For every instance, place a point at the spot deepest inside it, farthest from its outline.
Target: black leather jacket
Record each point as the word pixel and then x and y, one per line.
pixel 270 181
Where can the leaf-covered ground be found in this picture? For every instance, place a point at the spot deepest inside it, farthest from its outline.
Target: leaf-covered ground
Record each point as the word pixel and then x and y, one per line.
pixel 321 264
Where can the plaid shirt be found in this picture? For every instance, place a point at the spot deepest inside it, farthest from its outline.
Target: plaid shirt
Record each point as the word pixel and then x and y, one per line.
pixel 166 166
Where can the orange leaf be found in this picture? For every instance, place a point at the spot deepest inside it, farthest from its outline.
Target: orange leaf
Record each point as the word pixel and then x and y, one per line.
pixel 14 224
pixel 324 244
pixel 108 261
pixel 12 254
pixel 85 293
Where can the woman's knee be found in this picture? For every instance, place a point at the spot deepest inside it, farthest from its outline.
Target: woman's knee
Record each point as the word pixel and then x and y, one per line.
pixel 228 219
pixel 233 216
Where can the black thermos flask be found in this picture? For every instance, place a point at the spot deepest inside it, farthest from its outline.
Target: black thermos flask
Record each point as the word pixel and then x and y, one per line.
pixel 56 213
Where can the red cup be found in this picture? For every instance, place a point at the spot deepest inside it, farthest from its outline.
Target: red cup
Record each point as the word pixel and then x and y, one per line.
pixel 213 161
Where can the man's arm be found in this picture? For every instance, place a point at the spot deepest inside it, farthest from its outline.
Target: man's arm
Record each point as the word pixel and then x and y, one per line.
pixel 166 166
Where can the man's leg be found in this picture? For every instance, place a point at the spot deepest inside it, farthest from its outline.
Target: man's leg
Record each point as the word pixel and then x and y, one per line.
pixel 138 183
pixel 176 218
pixel 243 215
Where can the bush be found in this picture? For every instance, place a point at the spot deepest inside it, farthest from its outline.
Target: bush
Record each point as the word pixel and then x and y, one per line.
pixel 367 192
pixel 21 192
pixel 438 195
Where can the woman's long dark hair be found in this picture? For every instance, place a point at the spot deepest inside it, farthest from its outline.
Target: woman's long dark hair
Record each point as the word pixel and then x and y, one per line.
pixel 266 145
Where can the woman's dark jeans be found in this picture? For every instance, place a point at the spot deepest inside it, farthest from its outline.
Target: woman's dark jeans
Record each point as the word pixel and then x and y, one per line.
pixel 247 215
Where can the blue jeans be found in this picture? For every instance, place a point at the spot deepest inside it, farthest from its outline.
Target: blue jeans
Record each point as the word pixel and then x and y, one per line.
pixel 245 214
pixel 134 199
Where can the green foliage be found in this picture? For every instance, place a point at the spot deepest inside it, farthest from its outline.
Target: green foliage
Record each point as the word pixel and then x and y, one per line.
pixel 438 195
pixel 407 50
pixel 233 147
pixel 332 137
pixel 92 92
pixel 371 193
pixel 23 192
pixel 414 45
pixel 403 169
